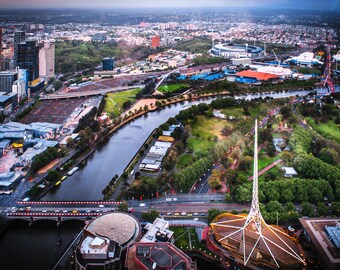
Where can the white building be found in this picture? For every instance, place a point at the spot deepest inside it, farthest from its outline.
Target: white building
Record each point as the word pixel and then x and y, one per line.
pixel 19 88
pixel 46 60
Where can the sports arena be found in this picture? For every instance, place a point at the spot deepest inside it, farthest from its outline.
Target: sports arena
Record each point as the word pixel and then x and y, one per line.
pixel 230 50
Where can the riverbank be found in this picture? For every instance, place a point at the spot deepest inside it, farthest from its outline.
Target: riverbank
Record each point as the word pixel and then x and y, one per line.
pixel 113 153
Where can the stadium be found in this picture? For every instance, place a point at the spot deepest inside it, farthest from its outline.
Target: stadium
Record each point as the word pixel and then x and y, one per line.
pixel 230 50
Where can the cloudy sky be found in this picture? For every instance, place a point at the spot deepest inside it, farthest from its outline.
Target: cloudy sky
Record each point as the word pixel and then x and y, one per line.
pixel 316 4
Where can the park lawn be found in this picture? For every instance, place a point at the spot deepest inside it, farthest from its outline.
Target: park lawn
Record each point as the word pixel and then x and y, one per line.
pixel 181 236
pixel 330 129
pixel 118 99
pixel 198 144
pixel 265 160
pixel 209 127
pixel 235 111
pixel 184 161
pixel 168 88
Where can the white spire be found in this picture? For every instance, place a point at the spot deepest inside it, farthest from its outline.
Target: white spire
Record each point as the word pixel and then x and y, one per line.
pixel 254 222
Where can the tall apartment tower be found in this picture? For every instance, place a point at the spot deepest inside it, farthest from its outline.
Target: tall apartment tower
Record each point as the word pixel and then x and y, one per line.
pixel 46 60
pixel 0 41
pixel 19 37
pixel 28 58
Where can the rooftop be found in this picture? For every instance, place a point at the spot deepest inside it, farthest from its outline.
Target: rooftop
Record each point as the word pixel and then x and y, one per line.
pixel 118 227
pixel 158 256
pixel 317 232
pixel 261 76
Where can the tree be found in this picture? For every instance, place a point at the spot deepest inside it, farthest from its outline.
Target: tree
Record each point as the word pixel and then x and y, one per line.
pixel 271 149
pixel 52 176
pixel 150 216
pixel 215 179
pixel 307 209
pixel 123 207
pixel 246 163
pixel 228 198
pixel 57 85
pixel 286 111
pixel 212 213
pixel 336 208
pixel 322 209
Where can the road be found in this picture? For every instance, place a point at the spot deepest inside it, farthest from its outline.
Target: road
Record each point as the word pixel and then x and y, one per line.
pixel 90 93
pixel 22 188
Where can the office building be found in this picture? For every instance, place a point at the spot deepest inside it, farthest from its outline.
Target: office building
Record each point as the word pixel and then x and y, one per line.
pixel 155 42
pixel 108 63
pixel 323 235
pixel 28 58
pixel 7 78
pixel 8 101
pixel 0 41
pixel 46 60
pixel 19 37
pixel 19 88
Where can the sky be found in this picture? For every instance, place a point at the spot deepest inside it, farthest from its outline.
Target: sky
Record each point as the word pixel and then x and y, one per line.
pixel 299 4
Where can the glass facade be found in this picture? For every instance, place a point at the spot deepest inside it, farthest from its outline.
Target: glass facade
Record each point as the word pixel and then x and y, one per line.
pixel 28 58
pixel 108 63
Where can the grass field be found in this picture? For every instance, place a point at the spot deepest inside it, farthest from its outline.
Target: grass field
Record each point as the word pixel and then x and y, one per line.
pixel 330 129
pixel 114 101
pixel 182 239
pixel 208 127
pixel 198 144
pixel 171 87
pixel 184 161
pixel 237 112
pixel 265 160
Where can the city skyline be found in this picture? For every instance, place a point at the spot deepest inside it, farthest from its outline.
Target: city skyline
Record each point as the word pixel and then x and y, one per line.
pixel 290 4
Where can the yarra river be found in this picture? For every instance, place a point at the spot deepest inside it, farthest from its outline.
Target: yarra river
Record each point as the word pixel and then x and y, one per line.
pixel 36 246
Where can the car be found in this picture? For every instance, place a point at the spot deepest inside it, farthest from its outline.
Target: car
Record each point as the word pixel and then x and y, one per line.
pixel 183 214
pixel 57 211
pixel 174 199
pixel 195 219
pixel 44 211
pixel 202 214
pixel 88 211
pixel 74 211
pixel 168 214
pixel 26 199
pixel 142 204
pixel 195 214
pixel 64 211
pixel 189 215
pixel 176 214
pixel 101 205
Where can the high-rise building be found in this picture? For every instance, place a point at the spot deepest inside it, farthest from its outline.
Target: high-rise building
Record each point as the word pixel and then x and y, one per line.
pixel 28 58
pixel 0 41
pixel 46 60
pixel 155 42
pixel 7 78
pixel 108 63
pixel 19 37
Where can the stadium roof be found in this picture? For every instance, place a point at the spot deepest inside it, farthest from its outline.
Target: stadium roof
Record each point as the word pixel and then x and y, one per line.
pixel 261 76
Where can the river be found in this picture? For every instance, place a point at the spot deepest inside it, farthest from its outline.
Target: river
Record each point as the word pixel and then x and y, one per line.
pixel 112 157
pixel 36 246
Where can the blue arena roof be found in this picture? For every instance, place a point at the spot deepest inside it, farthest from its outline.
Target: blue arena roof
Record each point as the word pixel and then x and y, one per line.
pixel 333 233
